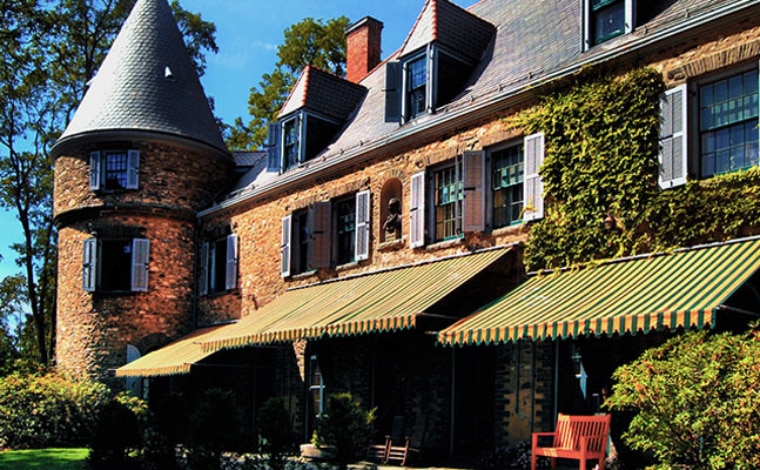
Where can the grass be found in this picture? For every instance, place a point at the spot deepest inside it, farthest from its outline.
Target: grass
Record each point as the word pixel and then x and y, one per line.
pixel 47 459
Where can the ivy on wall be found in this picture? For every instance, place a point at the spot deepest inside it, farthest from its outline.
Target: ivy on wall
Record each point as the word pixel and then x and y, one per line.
pixel 600 178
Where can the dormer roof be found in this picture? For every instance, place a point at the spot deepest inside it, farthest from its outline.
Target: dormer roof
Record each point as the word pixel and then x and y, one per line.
pixel 448 24
pixel 147 83
pixel 325 93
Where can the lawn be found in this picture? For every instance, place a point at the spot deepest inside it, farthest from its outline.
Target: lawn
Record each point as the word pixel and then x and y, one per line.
pixel 47 459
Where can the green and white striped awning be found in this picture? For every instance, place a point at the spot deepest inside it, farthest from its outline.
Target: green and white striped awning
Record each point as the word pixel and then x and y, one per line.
pixel 683 289
pixel 378 302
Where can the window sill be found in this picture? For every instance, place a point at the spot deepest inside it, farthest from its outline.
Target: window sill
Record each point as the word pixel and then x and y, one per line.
pixel 220 293
pixel 508 230
pixel 445 244
pixel 392 245
pixel 303 275
pixel 349 265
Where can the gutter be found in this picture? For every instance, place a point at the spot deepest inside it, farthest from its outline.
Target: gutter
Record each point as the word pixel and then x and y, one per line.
pixel 449 119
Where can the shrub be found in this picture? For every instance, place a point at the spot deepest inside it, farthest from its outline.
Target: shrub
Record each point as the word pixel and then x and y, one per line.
pixel 345 427
pixel 48 410
pixel 696 400
pixel 215 426
pixel 276 432
pixel 119 429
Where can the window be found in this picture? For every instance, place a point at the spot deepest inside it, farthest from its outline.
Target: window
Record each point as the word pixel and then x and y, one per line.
pixel 423 81
pixel 416 87
pixel 114 170
pixel 447 201
pixel 728 124
pixel 218 265
pixel 722 134
pixel 326 234
pixel 507 184
pixel 115 265
pixel 297 139
pixel 460 202
pixel 606 19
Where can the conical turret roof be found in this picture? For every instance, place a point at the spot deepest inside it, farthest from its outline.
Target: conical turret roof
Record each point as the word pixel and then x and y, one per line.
pixel 147 83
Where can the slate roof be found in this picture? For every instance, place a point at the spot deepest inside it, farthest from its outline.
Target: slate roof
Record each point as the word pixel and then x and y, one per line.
pixel 450 25
pixel 147 82
pixel 325 93
pixel 535 42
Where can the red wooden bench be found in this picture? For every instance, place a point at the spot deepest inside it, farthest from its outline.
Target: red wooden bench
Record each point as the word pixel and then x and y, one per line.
pixel 577 437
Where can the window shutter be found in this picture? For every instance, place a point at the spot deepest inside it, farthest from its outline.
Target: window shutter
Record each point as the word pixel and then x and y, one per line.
pixel 133 383
pixel 319 235
pixel 393 92
pixel 630 16
pixel 203 275
pixel 94 170
pixel 232 262
pixel 133 168
pixel 140 258
pixel 417 210
pixel 474 217
pixel 89 264
pixel 285 246
pixel 274 138
pixel 533 187
pixel 673 155
pixel 362 225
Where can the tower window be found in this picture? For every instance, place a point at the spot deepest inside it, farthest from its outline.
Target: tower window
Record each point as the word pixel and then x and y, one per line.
pixel 115 265
pixel 114 170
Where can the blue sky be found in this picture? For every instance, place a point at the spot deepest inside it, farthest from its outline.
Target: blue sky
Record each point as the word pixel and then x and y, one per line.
pixel 248 33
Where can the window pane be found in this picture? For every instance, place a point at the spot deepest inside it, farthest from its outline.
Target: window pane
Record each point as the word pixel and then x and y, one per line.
pixel 448 191
pixel 116 170
pixel 728 124
pixel 115 265
pixel 609 21
pixel 346 239
pixel 415 87
pixel 508 173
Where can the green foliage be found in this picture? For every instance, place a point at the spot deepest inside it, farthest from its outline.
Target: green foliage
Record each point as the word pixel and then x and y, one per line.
pixel 697 401
pixel 45 410
pixel 601 158
pixel 321 44
pixel 345 428
pixel 279 439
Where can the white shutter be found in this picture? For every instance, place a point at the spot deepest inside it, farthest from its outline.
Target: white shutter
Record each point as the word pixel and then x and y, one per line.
pixel 230 279
pixel 94 170
pixel 140 258
pixel 363 209
pixel 673 156
pixel 533 186
pixel 417 210
pixel 319 235
pixel 474 217
pixel 133 168
pixel 90 264
pixel 285 246
pixel 203 275
pixel 630 16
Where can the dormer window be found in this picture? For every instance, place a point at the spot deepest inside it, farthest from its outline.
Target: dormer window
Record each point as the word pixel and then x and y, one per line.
pixel 298 138
pixel 416 86
pixel 606 19
pixel 423 82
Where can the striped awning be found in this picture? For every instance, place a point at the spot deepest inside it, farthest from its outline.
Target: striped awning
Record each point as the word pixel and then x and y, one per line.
pixel 682 289
pixel 174 359
pixel 384 301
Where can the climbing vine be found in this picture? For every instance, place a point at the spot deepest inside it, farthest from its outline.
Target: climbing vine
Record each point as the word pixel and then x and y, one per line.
pixel 600 177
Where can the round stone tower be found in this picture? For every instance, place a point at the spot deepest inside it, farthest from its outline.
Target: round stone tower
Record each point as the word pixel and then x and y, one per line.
pixel 142 155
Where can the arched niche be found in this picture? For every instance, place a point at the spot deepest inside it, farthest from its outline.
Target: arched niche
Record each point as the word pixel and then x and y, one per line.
pixel 391 210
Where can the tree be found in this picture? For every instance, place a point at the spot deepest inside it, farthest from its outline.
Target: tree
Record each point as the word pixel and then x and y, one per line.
pixel 309 41
pixel 50 50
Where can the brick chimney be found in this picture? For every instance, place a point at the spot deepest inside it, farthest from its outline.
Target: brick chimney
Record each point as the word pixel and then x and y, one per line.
pixel 363 40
